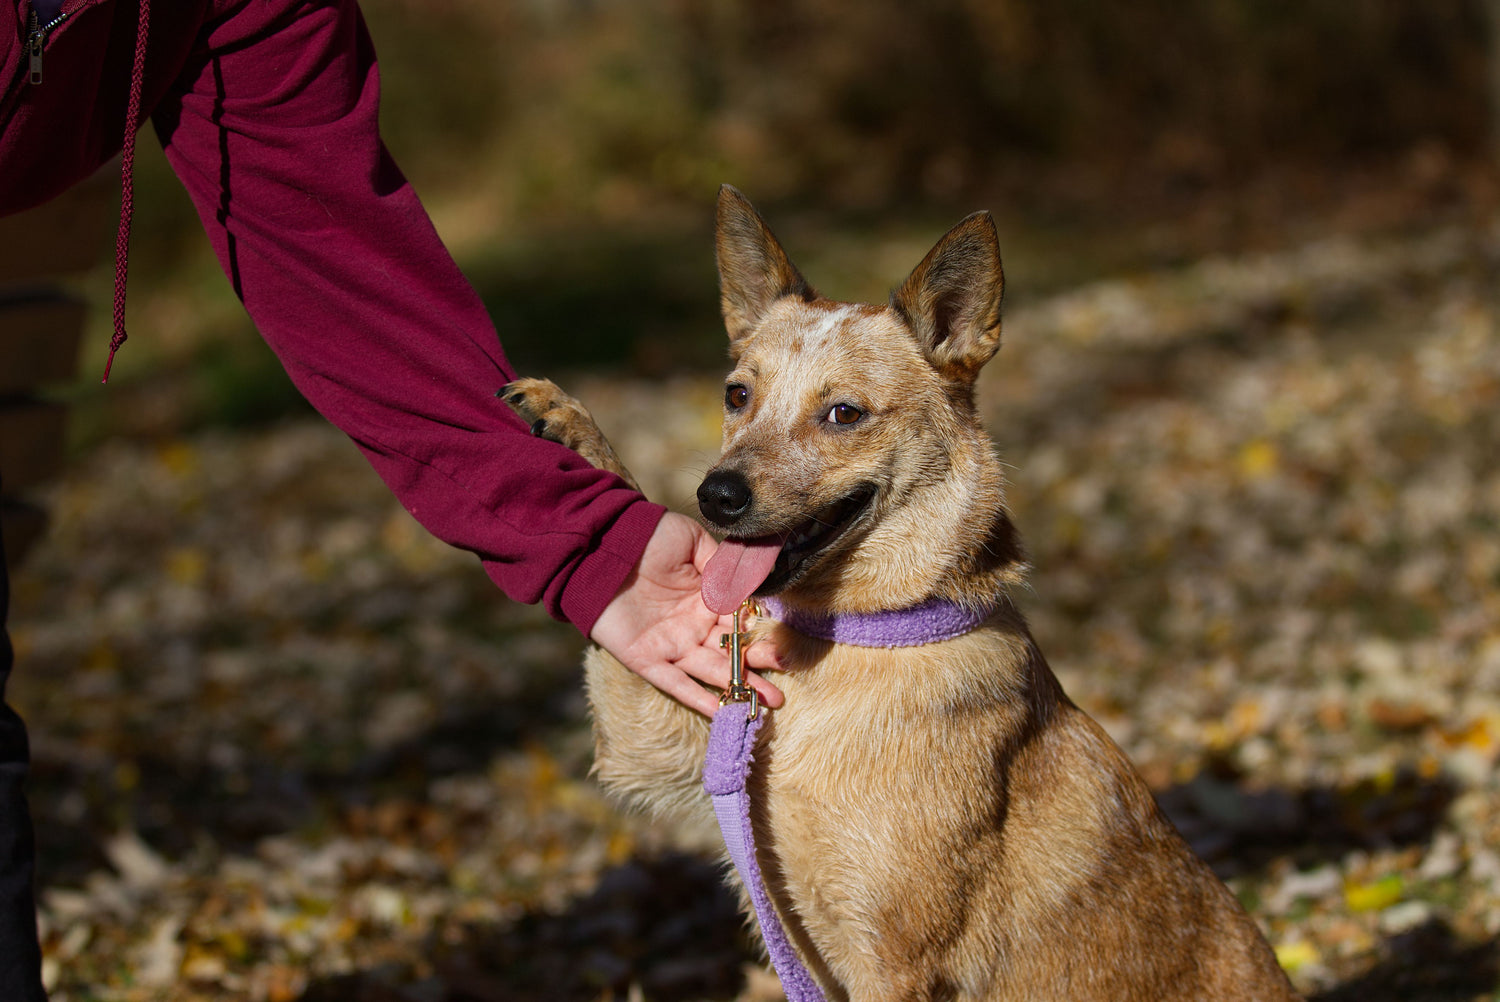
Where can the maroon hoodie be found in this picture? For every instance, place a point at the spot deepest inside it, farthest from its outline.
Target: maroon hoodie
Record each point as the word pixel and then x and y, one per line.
pixel 267 112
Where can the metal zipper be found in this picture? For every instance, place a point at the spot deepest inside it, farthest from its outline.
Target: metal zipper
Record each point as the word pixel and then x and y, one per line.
pixel 36 39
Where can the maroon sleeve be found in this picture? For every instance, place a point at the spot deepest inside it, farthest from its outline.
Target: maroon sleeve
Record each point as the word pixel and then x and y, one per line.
pixel 273 129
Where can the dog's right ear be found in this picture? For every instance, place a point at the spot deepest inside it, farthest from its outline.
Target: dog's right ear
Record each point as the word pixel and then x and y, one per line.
pixel 754 271
pixel 951 301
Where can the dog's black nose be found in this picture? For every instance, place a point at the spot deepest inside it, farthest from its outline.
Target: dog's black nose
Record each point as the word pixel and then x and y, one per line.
pixel 724 497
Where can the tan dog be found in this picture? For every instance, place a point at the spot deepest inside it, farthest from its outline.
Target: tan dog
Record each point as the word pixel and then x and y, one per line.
pixel 935 821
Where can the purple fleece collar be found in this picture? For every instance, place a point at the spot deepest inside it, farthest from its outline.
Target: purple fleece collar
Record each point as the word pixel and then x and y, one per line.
pixel 934 620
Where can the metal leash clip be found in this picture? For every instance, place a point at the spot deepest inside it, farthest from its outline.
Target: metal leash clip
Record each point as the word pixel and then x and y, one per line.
pixel 739 691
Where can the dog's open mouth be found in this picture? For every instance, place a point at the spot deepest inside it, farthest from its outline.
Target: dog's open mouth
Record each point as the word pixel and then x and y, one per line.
pixel 767 564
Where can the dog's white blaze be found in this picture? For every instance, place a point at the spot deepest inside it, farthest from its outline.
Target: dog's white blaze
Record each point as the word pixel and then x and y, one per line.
pixel 815 338
pixel 802 336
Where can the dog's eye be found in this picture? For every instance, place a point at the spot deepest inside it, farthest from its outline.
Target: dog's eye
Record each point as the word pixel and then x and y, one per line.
pixel 844 414
pixel 736 396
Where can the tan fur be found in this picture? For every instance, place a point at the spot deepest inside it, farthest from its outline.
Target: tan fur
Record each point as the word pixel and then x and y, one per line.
pixel 935 822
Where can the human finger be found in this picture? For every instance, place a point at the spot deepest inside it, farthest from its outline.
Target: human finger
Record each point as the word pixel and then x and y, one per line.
pixel 764 655
pixel 712 668
pixel 681 686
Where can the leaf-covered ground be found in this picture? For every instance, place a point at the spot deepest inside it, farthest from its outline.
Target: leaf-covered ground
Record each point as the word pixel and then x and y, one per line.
pixel 288 747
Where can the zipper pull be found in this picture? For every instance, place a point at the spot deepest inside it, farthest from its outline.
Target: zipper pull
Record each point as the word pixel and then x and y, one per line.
pixel 36 37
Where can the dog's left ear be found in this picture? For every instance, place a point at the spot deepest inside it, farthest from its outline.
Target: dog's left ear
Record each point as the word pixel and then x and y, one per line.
pixel 951 301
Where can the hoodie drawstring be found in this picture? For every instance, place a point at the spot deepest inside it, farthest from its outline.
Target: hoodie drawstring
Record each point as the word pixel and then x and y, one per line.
pixel 127 182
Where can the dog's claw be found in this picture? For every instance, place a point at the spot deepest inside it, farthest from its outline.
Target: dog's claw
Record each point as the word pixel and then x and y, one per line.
pixel 539 427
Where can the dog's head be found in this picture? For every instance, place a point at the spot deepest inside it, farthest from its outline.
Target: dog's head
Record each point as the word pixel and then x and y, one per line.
pixel 854 472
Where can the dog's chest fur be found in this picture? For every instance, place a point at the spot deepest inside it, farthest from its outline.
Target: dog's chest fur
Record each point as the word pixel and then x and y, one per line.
pixel 903 753
pixel 929 810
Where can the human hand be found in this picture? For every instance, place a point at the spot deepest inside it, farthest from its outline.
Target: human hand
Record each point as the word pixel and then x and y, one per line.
pixel 659 628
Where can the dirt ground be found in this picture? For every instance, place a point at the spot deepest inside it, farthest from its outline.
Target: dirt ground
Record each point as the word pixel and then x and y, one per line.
pixel 287 747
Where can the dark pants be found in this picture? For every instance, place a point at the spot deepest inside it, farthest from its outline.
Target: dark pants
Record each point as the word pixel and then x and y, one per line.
pixel 20 956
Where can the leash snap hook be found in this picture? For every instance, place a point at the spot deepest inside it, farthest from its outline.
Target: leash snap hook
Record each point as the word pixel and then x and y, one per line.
pixel 738 691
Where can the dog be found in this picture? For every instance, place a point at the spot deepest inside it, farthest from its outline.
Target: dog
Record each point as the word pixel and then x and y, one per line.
pixel 936 821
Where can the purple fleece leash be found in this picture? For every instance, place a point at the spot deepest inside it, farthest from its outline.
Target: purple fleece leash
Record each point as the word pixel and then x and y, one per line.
pixel 934 620
pixel 731 743
pixel 731 748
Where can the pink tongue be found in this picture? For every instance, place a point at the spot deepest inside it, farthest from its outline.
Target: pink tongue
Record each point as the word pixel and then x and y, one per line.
pixel 736 569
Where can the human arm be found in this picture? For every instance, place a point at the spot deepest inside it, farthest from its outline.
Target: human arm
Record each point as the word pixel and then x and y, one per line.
pixel 272 127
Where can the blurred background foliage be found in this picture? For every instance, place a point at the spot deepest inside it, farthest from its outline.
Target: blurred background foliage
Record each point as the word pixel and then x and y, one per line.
pixel 1250 395
pixel 569 151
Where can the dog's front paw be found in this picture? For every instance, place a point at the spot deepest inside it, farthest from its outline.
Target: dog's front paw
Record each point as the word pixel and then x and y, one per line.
pixel 558 417
pixel 550 412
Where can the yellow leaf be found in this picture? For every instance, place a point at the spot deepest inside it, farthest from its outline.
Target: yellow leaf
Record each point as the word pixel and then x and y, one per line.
pixel 544 772
pixel 314 566
pixel 178 457
pixel 1374 896
pixel 1217 736
pixel 1257 459
pixel 187 565
pixel 1482 734
pixel 1294 956
pixel 234 944
pixel 202 965
pixel 1245 718
pixel 620 847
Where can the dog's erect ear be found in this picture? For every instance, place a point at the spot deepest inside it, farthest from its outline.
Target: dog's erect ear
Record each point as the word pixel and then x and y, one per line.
pixel 952 300
pixel 754 271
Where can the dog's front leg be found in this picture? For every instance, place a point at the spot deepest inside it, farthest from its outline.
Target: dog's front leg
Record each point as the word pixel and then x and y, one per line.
pixel 557 417
pixel 648 747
